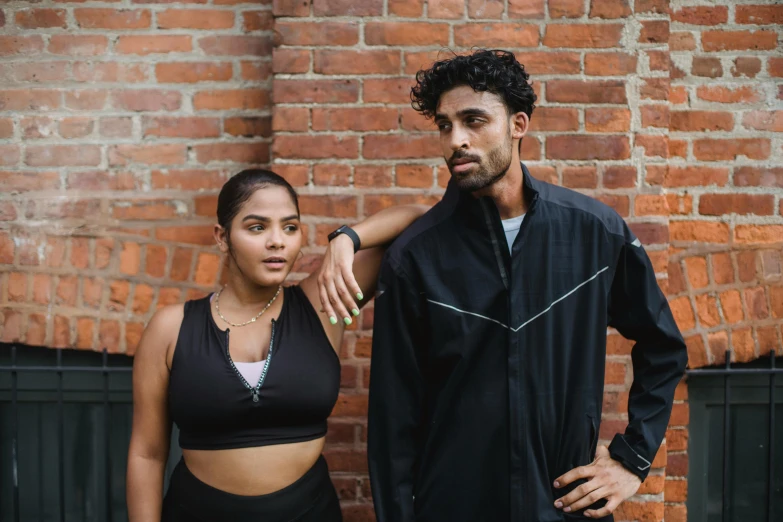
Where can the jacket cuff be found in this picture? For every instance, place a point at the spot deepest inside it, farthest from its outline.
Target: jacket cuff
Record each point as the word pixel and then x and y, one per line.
pixel 622 452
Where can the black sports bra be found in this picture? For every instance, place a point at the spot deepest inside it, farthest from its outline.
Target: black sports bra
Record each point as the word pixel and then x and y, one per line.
pixel 215 408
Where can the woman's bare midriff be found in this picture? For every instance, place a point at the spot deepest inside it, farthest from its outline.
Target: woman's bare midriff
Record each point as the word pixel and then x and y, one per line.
pixel 254 471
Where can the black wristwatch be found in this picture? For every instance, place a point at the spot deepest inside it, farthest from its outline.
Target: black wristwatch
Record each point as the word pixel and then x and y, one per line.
pixel 348 231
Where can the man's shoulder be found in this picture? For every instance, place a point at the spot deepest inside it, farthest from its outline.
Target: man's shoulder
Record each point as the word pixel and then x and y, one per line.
pixel 579 206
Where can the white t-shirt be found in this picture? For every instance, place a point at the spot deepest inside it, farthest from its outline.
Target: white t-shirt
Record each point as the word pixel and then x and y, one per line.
pixel 511 228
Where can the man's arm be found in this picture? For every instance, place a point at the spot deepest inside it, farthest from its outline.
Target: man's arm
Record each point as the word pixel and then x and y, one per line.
pixel 396 396
pixel 639 311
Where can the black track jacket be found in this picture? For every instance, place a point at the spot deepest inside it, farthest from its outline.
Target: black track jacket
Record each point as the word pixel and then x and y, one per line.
pixel 488 368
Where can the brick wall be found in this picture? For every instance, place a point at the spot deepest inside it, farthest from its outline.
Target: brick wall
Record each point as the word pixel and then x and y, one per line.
pixel 723 186
pixel 671 114
pixel 118 123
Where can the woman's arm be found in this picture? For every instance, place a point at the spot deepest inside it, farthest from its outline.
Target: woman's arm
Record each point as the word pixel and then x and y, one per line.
pixel 345 279
pixel 151 433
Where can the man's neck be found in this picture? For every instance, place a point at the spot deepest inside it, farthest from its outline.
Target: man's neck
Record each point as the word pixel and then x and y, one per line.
pixel 508 192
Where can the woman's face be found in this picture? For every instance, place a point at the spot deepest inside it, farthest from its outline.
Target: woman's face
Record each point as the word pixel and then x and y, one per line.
pixel 266 236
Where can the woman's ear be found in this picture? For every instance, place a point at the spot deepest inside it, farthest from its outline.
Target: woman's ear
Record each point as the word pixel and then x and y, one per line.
pixel 221 238
pixel 519 125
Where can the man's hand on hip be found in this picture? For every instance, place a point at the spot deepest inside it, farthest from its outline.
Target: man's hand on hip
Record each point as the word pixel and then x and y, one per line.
pixel 607 479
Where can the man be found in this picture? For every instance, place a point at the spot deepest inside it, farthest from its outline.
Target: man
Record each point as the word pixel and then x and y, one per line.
pixel 490 330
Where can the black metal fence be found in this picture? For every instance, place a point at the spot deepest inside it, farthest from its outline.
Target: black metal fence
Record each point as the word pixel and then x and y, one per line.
pixel 727 372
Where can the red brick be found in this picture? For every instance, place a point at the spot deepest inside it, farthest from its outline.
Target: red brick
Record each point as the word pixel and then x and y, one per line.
pixel 188 180
pixel 21 45
pixel 41 18
pixel 406 8
pixel 292 119
pixel 10 154
pixel 767 340
pixel 682 42
pixel 610 9
pixel 7 211
pixel 230 45
pixel 504 35
pixel 143 209
pixel 731 304
pixel 654 146
pixel 414 176
pixel 195 19
pixel 332 175
pixel 583 35
pixel 699 231
pixel 406 34
pixel 654 89
pixel 586 147
pixel 775 67
pixel 291 61
pixel 720 204
pixel 610 64
pixel 697 271
pixel 659 60
pixel 356 62
pixel 776 300
pixel 157 44
pixel 758 176
pixel 257 153
pixel 746 265
pixel 359 119
pixel 376 203
pixel 375 176
pixel 580 177
pixel 147 100
pixel 248 127
pixel 180 264
pixel 701 15
pixel 620 204
pixel 738 40
pixel 86 100
pixel 18 283
pixel 758 234
pixel 449 9
pixel 747 66
pixel 566 8
pixel 291 8
pixel 71 128
pixel 759 14
pixel 743 345
pixel 192 72
pixel 332 206
pixel 756 302
pixel 683 313
pixel 650 233
pixel 678 148
pixel 654 31
pixel 706 67
pixel 40 72
pixel 155 260
pixel 595 91
pixel 98 18
pixel 692 121
pixel 29 100
pixel 607 120
pixel 110 72
pixel 347 8
pixel 63 155
pixel 619 176
pixel 400 146
pixel 296 175
pixel 180 127
pixel 555 119
pixel 6 128
pixel 315 147
pixel 257 20
pixel 730 149
pixel 256 71
pixel 655 116
pixel 722 94
pixel 537 63
pixel 317 33
pixel 486 9
pixel 763 120
pixel 221 100
pixel 318 91
pixel 722 269
pixel 196 235
pixel 526 9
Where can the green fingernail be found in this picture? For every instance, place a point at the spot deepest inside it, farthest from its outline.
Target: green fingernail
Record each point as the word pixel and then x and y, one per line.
pixel 347 321
pixel 359 296
pixel 333 320
pixel 355 311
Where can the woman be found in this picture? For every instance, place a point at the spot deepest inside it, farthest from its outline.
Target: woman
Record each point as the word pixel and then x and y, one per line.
pixel 251 373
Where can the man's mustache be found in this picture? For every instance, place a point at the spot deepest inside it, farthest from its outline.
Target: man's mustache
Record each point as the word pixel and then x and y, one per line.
pixel 463 155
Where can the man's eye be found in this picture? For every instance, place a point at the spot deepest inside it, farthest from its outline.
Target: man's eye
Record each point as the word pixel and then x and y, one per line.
pixel 473 121
pixel 443 126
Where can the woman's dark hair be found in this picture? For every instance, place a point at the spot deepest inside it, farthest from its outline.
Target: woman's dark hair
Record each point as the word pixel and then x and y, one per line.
pixel 495 71
pixel 241 186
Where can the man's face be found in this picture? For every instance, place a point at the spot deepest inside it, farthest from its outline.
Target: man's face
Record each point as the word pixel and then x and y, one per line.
pixel 475 136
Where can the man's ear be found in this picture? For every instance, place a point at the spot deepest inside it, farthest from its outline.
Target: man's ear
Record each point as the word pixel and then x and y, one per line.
pixel 519 125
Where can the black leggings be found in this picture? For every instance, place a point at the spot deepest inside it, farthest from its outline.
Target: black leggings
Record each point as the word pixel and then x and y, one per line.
pixel 312 498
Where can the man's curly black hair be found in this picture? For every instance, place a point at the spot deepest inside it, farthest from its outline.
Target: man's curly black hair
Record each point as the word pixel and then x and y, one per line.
pixel 495 70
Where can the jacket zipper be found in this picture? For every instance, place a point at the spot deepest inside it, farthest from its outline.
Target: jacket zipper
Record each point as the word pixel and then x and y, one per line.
pixel 254 391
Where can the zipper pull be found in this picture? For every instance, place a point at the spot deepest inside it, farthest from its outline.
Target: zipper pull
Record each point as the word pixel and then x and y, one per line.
pixel 255 395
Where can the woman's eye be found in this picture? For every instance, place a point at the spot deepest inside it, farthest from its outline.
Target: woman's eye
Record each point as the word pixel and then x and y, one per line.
pixel 256 228
pixel 291 228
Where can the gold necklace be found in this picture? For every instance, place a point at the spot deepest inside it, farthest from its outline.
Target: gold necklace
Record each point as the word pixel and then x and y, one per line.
pixel 253 320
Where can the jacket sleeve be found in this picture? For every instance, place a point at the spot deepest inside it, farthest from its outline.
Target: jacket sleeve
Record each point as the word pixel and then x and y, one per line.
pixel 396 396
pixel 639 311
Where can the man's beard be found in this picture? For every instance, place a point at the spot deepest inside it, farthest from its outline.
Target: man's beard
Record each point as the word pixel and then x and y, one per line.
pixel 497 164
